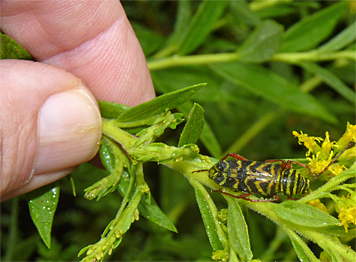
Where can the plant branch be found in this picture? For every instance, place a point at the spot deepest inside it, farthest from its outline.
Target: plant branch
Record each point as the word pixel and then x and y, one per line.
pixel 313 55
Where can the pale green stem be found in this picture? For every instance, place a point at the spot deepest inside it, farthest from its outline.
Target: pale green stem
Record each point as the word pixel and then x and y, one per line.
pixel 311 84
pixel 110 129
pixel 177 60
pixel 313 56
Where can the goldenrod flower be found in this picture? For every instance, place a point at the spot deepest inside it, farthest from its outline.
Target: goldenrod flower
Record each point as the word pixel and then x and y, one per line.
pixel 348 136
pixel 308 141
pixel 327 146
pixel 347 211
pixel 317 204
pixel 321 156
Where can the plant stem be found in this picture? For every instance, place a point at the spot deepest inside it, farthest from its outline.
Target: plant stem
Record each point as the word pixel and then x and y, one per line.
pixel 192 60
pixel 176 60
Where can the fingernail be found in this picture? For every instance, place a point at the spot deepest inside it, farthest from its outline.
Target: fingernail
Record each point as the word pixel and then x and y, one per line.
pixel 69 130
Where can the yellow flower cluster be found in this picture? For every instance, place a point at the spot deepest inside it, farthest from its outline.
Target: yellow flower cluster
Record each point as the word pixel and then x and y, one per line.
pixel 346 208
pixel 319 159
pixel 320 156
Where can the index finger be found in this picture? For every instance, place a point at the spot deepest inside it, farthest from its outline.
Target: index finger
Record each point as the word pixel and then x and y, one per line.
pixel 91 39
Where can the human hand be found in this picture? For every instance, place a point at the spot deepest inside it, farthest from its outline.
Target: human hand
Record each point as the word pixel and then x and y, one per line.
pixel 50 121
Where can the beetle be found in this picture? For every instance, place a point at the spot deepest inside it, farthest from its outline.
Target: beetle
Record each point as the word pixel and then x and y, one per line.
pixel 267 179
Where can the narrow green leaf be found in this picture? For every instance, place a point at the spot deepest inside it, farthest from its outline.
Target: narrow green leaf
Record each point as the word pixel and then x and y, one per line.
pixel 275 11
pixel 42 204
pixel 184 14
pixel 242 12
pixel 153 213
pixel 210 141
pixel 201 25
pixel 208 220
pixel 111 110
pixel 9 49
pixel 160 104
pixel 106 156
pixel 149 209
pixel 237 230
pixel 207 136
pixel 312 30
pixel 274 88
pixel 299 250
pixel 338 231
pixel 263 43
pixel 193 127
pixel 346 37
pixel 331 79
pixel 149 40
pixel 304 215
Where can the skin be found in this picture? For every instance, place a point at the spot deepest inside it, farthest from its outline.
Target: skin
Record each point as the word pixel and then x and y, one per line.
pixel 50 120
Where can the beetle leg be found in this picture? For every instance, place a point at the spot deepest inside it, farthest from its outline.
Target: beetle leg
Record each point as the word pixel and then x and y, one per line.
pixel 288 164
pixel 284 164
pixel 246 197
pixel 234 155
pixel 332 162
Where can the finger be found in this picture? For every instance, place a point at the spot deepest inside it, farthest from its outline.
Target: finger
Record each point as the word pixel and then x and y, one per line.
pixel 50 123
pixel 91 39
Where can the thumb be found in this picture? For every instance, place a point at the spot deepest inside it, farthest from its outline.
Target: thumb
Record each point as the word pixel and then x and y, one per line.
pixel 49 123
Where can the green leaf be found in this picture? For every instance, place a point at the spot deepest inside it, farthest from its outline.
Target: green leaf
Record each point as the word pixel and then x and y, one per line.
pixel 242 12
pixel 312 30
pixel 111 110
pixel 263 43
pixel 153 213
pixel 171 79
pixel 275 11
pixel 208 220
pixel 237 230
pixel 304 215
pixel 160 104
pixel 106 156
pixel 210 141
pixel 9 49
pixel 331 79
pixel 149 40
pixel 274 88
pixel 207 136
pixel 42 204
pixel 299 249
pixel 151 210
pixel 193 127
pixel 346 37
pixel 201 25
pixel 184 13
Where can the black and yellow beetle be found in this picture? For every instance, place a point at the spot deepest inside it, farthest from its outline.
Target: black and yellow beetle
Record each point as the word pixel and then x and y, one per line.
pixel 267 179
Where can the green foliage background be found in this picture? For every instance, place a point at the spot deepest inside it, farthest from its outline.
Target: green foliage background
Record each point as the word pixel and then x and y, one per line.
pixel 271 67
